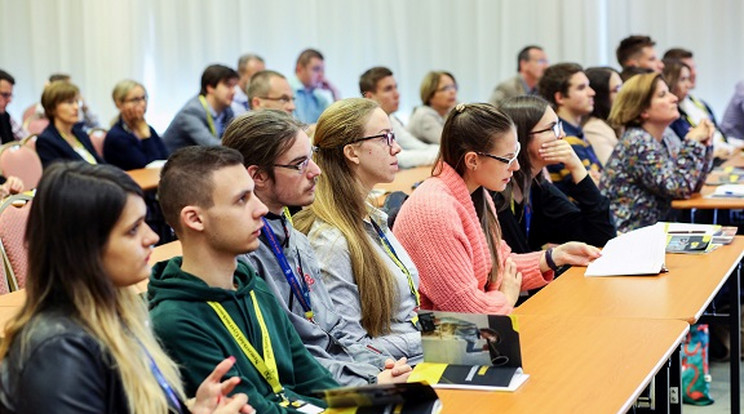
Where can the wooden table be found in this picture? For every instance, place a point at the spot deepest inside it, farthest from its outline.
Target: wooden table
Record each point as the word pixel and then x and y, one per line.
pixel 683 294
pixel 700 200
pixel 147 178
pixel 578 365
pixel 404 181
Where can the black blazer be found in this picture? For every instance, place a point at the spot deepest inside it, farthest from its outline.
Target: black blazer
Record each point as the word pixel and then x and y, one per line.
pixel 52 147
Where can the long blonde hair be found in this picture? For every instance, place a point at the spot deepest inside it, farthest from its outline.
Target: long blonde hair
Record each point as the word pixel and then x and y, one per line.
pixel 340 202
pixel 65 271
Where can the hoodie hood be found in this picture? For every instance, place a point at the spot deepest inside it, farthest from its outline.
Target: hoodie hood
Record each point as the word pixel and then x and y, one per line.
pixel 169 282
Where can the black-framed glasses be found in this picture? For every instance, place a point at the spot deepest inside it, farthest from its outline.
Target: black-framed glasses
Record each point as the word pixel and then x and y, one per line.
pixel 389 138
pixel 557 128
pixel 301 166
pixel 507 161
pixel 137 99
pixel 6 95
pixel 283 99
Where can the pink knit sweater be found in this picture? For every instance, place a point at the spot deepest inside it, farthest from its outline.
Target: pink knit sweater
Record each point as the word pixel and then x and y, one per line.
pixel 439 228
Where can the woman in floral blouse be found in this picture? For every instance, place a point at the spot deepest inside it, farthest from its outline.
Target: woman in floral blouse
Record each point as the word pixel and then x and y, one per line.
pixel 644 173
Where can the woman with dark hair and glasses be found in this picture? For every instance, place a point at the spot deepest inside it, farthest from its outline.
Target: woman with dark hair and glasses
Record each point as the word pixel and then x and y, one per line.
pixel 450 228
pixel 82 341
pixel 532 210
pixel 606 83
pixel 368 274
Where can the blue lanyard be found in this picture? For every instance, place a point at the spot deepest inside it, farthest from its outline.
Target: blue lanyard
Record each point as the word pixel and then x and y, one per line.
pixel 163 383
pixel 388 247
pixel 303 295
pixel 528 217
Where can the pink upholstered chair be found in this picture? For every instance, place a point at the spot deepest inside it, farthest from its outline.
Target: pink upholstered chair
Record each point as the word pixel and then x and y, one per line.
pixel 30 141
pixel 22 162
pixel 14 212
pixel 97 136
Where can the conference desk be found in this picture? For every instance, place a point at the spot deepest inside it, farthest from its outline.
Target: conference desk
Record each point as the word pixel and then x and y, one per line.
pixel 702 200
pixel 683 294
pixel 578 365
pixel 404 181
pixel 147 178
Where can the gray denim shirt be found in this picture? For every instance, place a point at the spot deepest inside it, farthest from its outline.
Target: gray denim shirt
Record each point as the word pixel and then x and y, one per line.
pixel 332 252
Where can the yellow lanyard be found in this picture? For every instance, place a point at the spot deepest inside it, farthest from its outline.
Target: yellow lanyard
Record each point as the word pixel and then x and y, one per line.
pixel 265 366
pixel 79 148
pixel 210 121
pixel 288 215
pixel 394 257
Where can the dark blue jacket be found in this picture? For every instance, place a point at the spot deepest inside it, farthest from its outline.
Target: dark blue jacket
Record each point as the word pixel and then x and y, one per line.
pixel 123 149
pixel 52 147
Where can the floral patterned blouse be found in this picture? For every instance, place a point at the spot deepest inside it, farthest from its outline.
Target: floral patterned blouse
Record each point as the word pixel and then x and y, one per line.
pixel 643 176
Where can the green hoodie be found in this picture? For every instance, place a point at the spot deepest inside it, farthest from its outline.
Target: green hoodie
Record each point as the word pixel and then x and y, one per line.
pixel 195 337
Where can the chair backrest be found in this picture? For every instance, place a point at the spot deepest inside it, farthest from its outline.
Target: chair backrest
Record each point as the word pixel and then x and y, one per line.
pixel 36 124
pixel 30 141
pixel 97 136
pixel 13 220
pixel 4 283
pixel 22 162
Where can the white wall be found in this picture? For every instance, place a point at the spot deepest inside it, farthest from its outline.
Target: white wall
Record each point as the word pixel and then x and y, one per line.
pixel 167 43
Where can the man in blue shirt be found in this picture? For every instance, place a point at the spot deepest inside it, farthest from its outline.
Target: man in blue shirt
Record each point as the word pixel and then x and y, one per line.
pixel 311 88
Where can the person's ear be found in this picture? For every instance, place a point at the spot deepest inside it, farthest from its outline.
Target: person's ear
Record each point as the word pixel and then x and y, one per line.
pixel 368 95
pixel 255 102
pixel 210 89
pixel 259 176
pixel 352 153
pixel 471 161
pixel 559 97
pixel 191 218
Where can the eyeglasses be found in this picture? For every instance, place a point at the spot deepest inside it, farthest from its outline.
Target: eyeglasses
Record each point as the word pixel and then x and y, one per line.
pixel 557 128
pixel 302 165
pixel 389 138
pixel 137 99
pixel 283 99
pixel 6 95
pixel 507 161
pixel 447 88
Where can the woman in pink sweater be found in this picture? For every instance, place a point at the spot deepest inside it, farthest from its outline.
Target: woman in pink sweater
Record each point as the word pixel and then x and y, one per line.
pixel 443 225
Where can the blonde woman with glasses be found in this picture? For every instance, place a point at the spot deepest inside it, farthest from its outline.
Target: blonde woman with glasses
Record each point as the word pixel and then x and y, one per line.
pixel 438 96
pixel 369 275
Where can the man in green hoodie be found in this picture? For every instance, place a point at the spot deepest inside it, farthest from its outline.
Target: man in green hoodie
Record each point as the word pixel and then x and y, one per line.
pixel 208 306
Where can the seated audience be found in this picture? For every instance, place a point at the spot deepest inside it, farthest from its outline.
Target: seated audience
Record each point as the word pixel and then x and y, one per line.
pixel 438 97
pixel 450 228
pixel 81 341
pixel 131 143
pixel 207 306
pixel 63 138
pixel 637 52
pixel 248 65
pixel 732 123
pixel 532 211
pixel 379 85
pixel 606 83
pixel 312 91
pixel 371 279
pixel 567 89
pixel 644 174
pixel 531 64
pixel 679 73
pixel 277 154
pixel 270 90
pixel 10 130
pixel 203 119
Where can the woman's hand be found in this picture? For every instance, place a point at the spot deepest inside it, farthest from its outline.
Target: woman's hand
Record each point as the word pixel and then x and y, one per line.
pixel 13 185
pixel 394 372
pixel 575 253
pixel 134 117
pixel 511 284
pixel 560 151
pixel 211 397
pixel 702 133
